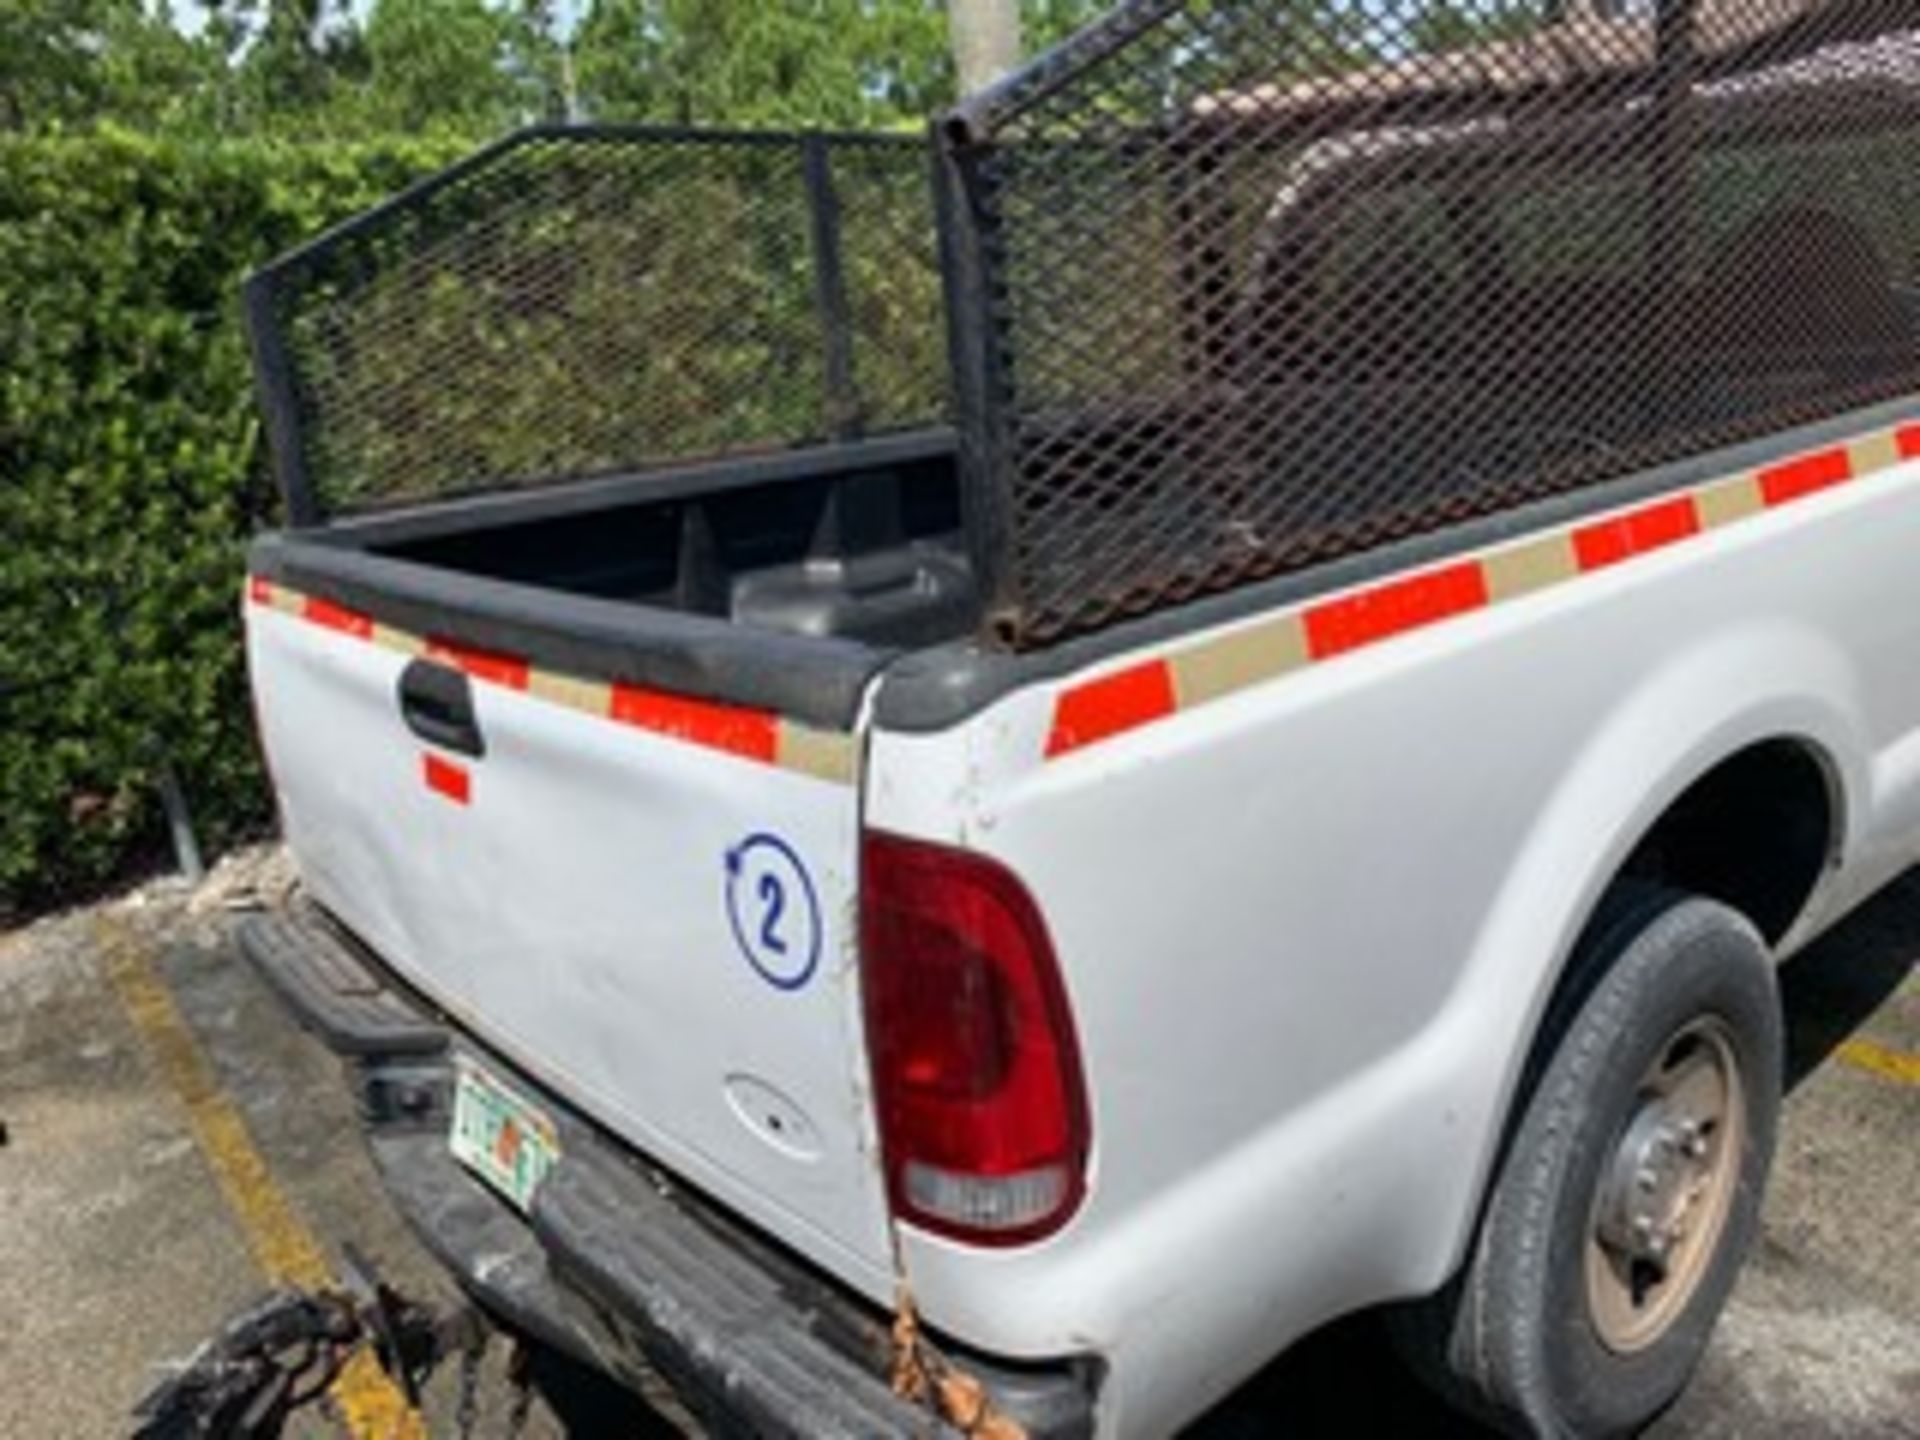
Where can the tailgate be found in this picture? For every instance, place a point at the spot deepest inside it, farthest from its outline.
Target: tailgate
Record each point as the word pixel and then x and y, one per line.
pixel 645 900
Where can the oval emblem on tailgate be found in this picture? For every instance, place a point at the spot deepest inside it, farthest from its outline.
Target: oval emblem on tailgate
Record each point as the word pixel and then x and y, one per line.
pixel 773 1117
pixel 773 910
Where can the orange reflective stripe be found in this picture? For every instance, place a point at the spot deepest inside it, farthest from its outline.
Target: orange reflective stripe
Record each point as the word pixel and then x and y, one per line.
pixel 496 667
pixel 1805 474
pixel 337 617
pixel 446 778
pixel 1096 709
pixel 752 733
pixel 1351 621
pixel 1621 537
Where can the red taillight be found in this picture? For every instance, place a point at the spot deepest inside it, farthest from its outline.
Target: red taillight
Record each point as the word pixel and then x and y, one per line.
pixel 983 1115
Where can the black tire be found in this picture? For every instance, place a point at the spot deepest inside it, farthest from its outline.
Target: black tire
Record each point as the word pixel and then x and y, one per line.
pixel 1515 1338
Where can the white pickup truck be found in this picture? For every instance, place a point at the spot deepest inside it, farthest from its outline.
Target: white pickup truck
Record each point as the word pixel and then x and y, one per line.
pixel 990 884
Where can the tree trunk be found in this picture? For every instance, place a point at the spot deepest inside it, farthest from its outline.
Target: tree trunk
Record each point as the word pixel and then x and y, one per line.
pixel 986 40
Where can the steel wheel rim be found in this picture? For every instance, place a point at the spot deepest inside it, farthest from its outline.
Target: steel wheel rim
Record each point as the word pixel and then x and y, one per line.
pixel 1666 1188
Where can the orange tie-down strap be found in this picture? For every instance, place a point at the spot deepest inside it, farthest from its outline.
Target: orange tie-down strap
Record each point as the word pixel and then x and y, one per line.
pixel 758 735
pixel 1089 711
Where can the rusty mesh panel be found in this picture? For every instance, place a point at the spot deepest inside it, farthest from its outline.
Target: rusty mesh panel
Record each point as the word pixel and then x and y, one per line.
pixel 585 301
pixel 1263 284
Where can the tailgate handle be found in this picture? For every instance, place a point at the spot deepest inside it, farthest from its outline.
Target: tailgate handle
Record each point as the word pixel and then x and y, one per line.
pixel 437 704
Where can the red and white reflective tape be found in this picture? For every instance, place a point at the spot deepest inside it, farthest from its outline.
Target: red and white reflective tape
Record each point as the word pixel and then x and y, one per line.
pixel 1087 712
pixel 752 734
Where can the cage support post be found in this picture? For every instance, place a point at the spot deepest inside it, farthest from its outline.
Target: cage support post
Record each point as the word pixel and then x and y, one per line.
pixel 845 412
pixel 980 385
pixel 1669 223
pixel 273 382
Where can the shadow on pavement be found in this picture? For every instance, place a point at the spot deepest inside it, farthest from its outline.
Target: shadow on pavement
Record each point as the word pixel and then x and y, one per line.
pixel 586 1404
pixel 1342 1381
pixel 1831 988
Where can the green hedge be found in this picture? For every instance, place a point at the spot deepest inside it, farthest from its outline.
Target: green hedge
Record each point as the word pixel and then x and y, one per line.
pixel 131 473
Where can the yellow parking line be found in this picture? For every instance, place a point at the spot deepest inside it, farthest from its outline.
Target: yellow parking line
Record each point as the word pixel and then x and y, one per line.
pixel 283 1247
pixel 1887 1063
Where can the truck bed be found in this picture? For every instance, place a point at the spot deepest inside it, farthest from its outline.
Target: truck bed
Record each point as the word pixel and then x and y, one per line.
pixel 781 580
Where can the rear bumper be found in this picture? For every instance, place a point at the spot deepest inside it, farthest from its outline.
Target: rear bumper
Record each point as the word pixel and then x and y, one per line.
pixel 618 1265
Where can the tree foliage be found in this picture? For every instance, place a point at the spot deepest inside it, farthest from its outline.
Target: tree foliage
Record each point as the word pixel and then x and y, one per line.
pixel 314 69
pixel 67 62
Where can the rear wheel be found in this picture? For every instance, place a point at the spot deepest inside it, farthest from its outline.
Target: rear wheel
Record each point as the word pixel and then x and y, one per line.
pixel 1630 1191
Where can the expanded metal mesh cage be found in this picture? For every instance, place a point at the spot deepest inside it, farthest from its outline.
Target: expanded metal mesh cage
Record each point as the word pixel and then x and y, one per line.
pixel 1250 286
pixel 589 300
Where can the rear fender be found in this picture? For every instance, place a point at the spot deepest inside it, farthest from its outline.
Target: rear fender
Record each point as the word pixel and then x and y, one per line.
pixel 1706 704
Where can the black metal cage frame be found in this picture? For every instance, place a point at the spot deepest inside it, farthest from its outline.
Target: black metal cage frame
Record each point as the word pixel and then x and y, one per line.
pixel 350 258
pixel 1243 447
pixel 1231 288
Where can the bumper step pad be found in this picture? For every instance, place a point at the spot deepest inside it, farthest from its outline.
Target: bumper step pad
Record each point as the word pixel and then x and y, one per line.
pixel 332 990
pixel 737 1331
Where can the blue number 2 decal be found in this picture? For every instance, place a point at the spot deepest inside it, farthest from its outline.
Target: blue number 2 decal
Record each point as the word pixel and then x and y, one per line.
pixel 774 896
pixel 773 911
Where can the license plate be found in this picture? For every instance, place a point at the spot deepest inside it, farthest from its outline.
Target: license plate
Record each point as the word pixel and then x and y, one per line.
pixel 500 1135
